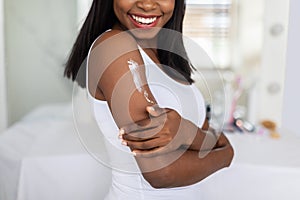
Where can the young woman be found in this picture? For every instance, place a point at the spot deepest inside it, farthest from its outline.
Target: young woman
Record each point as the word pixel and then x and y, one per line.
pixel 129 47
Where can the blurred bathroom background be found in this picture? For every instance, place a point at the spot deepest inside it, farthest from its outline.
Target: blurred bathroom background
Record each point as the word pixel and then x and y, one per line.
pixel 246 40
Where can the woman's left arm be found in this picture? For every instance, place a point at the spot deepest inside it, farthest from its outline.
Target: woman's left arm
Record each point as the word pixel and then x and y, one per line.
pixel 165 163
pixel 187 167
pixel 167 131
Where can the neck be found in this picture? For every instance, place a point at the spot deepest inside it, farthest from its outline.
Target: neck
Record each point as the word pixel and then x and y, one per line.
pixel 144 43
pixel 149 43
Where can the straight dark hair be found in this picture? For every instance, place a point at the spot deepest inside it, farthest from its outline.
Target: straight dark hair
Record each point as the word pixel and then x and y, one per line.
pixel 101 17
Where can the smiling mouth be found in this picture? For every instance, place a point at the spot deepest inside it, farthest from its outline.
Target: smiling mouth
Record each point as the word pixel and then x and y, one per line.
pixel 147 21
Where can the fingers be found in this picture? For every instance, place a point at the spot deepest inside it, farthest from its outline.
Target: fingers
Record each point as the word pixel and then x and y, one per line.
pixel 144 125
pixel 140 126
pixel 149 153
pixel 156 111
pixel 209 141
pixel 146 145
pixel 222 140
pixel 144 135
pixel 149 137
pixel 156 114
pixel 152 153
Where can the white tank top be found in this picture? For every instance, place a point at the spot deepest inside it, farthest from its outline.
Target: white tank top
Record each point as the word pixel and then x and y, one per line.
pixel 127 180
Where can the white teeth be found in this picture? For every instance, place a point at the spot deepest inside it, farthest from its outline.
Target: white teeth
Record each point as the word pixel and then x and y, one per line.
pixel 143 20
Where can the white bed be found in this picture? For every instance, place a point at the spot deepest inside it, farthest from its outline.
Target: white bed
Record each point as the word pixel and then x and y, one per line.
pixel 41 158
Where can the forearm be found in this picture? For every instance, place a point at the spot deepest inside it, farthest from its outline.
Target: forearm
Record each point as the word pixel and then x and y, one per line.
pixel 203 138
pixel 189 168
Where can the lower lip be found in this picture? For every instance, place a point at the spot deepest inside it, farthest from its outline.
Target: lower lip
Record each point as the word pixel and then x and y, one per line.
pixel 144 26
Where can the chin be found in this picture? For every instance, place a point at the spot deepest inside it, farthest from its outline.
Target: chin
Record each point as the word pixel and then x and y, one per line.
pixel 144 34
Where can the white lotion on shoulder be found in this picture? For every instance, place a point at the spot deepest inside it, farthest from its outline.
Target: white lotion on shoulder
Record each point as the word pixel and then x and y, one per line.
pixel 134 69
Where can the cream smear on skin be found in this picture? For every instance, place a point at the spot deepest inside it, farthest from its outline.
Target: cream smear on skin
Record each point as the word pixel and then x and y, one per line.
pixel 134 69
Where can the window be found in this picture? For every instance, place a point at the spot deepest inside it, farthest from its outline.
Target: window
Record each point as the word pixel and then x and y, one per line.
pixel 209 23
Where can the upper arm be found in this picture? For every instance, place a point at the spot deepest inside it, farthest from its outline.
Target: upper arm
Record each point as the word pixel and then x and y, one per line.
pixel 110 73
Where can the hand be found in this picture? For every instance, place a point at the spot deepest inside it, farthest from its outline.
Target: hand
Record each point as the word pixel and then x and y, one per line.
pixel 222 141
pixel 164 132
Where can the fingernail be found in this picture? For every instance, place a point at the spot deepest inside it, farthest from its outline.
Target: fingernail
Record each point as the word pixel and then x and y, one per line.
pixel 121 131
pixel 124 143
pixel 134 153
pixel 120 136
pixel 151 109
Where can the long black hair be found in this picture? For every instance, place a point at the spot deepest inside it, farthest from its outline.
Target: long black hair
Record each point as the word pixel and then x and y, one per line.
pixel 101 17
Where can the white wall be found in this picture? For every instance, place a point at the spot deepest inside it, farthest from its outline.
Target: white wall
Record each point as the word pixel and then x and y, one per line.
pixel 269 94
pixel 3 111
pixel 39 36
pixel 83 7
pixel 291 106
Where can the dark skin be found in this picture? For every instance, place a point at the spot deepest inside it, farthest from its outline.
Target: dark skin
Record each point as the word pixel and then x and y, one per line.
pixel 178 165
pixel 192 158
pixel 167 125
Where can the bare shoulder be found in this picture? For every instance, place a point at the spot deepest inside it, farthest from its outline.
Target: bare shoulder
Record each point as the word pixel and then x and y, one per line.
pixel 108 61
pixel 114 38
pixel 109 72
pixel 113 47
